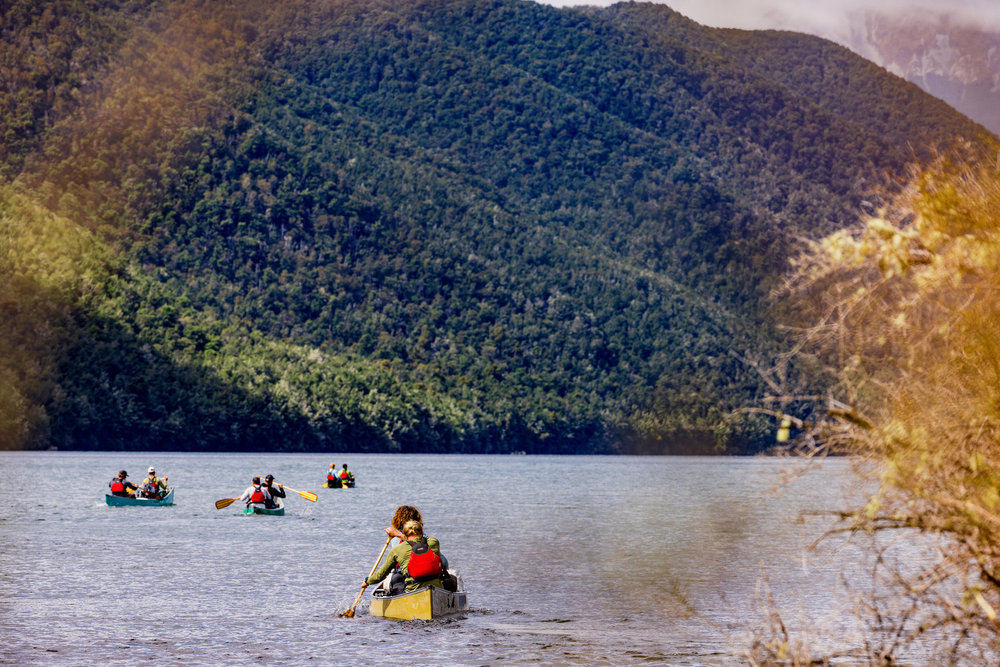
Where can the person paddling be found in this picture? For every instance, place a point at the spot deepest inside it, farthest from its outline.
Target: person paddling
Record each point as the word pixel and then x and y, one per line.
pixel 346 476
pixel 256 494
pixel 400 517
pixel 152 486
pixel 273 492
pixel 121 486
pixel 332 478
pixel 418 558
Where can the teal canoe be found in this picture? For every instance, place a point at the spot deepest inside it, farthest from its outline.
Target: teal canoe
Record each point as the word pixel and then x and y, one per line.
pixel 277 511
pixel 129 501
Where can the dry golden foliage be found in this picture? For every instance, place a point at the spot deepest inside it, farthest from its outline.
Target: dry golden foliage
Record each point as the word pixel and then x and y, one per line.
pixel 905 315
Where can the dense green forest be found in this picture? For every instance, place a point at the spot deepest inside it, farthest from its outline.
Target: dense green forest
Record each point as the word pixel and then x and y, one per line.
pixel 450 226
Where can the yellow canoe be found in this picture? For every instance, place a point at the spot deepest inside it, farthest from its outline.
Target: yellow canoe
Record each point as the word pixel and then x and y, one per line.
pixel 425 603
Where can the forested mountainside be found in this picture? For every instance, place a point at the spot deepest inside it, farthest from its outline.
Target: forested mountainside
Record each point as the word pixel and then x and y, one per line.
pixel 449 226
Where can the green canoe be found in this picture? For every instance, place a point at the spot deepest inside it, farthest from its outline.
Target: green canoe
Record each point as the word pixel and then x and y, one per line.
pixel 277 511
pixel 129 501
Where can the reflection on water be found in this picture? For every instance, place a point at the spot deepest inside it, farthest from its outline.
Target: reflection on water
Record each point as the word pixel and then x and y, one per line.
pixel 582 560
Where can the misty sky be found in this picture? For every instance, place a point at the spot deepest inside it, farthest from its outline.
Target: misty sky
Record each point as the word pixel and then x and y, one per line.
pixel 826 18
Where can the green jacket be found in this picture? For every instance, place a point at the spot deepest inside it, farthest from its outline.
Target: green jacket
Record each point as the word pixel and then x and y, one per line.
pixel 400 555
pixel 156 481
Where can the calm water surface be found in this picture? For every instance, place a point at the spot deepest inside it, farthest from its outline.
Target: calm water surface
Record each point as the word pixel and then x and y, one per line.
pixel 567 560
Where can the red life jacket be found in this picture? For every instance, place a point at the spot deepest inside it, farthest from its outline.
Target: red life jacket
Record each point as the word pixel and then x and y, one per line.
pixel 117 486
pixel 343 474
pixel 424 563
pixel 258 495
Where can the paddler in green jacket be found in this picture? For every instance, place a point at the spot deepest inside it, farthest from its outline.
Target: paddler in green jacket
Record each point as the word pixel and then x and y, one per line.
pixel 401 554
pixel 152 486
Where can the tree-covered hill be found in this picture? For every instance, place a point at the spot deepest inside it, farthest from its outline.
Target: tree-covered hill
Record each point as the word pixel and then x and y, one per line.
pixel 430 226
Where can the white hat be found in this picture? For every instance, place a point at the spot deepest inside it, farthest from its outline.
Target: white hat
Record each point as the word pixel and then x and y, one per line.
pixel 151 469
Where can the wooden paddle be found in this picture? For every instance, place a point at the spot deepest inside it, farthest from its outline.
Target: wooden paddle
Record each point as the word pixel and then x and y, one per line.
pixel 308 495
pixel 350 612
pixel 225 502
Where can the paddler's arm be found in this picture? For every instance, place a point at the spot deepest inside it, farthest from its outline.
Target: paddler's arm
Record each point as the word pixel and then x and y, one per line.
pixel 383 569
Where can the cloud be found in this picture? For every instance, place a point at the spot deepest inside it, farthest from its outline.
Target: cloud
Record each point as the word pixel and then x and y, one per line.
pixel 827 18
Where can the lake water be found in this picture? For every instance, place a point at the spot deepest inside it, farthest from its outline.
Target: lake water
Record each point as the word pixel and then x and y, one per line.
pixel 566 560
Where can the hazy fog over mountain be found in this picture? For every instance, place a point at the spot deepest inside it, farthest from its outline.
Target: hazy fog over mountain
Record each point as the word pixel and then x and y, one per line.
pixel 949 58
pixel 951 50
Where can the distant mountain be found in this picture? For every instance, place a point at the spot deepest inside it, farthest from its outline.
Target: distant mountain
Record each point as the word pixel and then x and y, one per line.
pixel 947 56
pixel 438 226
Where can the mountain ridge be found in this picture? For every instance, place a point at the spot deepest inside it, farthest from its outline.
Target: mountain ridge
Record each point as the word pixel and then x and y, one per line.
pixel 524 228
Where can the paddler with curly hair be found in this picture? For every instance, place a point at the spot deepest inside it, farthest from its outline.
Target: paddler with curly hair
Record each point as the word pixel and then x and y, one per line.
pixel 403 514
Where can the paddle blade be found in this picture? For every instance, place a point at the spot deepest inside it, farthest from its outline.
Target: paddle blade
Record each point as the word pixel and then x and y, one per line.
pixel 350 612
pixel 308 495
pixel 225 502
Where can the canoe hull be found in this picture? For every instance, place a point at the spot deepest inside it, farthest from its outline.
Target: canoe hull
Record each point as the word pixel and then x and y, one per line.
pixel 422 604
pixel 128 501
pixel 277 511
